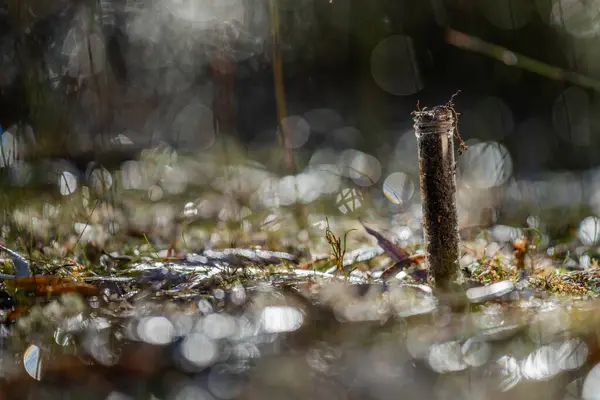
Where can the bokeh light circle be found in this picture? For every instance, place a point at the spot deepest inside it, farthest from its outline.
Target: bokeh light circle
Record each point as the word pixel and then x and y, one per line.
pixel 571 116
pixel 394 66
pixel 578 18
pixel 295 131
pixel 193 127
pixel 486 165
pixel 507 14
pixel 398 188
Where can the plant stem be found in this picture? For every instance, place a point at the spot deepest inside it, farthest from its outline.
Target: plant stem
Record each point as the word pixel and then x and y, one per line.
pixel 279 85
pixel 278 80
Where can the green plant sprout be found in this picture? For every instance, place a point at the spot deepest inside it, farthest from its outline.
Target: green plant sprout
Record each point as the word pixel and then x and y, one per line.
pixel 338 248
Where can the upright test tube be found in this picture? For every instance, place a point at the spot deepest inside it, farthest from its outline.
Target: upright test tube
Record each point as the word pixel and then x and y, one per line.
pixel 434 129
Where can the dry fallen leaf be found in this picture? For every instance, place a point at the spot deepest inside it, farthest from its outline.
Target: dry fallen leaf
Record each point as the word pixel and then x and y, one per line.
pixel 396 253
pixel 43 284
pixel 400 256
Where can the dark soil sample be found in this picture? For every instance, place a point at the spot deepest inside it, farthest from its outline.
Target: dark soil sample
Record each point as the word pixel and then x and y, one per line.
pixel 434 129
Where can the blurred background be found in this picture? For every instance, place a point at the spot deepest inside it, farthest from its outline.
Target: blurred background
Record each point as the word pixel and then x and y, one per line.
pixel 136 130
pixel 219 109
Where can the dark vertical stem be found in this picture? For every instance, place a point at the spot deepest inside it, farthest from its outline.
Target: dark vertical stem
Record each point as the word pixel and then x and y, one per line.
pixel 278 81
pixel 224 103
pixel 279 85
pixel 435 131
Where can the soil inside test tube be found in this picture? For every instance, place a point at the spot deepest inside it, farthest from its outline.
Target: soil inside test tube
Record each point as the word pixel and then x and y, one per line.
pixel 434 129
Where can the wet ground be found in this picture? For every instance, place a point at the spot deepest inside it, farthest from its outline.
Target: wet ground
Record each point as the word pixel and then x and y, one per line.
pixel 251 302
pixel 210 326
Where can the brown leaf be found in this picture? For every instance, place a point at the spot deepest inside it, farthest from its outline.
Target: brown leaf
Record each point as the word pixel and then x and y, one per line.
pixel 396 253
pixel 17 312
pixel 400 265
pixel 400 256
pixel 43 284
